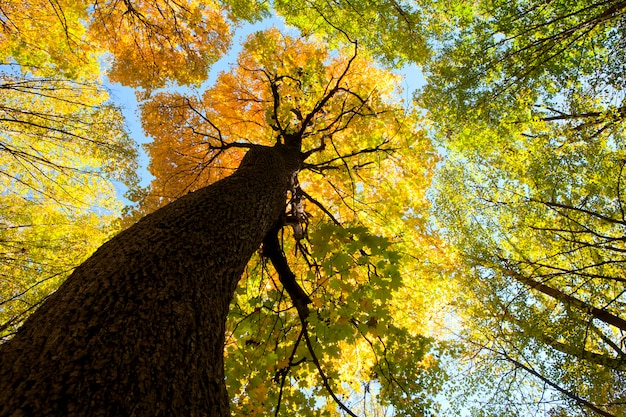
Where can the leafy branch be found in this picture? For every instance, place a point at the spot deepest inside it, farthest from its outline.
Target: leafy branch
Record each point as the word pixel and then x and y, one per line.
pixel 273 250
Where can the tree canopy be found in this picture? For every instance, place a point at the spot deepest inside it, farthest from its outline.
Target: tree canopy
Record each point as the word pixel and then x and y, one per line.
pixel 527 102
pixel 63 147
pixel 461 251
pixel 365 149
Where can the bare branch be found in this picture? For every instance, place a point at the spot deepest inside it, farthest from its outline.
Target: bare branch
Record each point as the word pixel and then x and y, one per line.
pixel 284 372
pixel 273 250
pixel 549 382
pixel 325 381
pixel 321 207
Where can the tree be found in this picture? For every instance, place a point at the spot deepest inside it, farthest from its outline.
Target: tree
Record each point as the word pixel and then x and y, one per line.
pixel 62 149
pixel 359 136
pixel 158 294
pixel 526 99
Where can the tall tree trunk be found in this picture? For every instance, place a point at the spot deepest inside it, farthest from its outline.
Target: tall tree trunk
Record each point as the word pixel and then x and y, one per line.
pixel 138 329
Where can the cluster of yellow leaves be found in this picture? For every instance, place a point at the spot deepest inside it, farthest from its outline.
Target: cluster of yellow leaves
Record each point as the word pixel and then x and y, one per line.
pixel 46 38
pixel 152 42
pixel 41 245
pixel 396 31
pixel 147 43
pixel 60 151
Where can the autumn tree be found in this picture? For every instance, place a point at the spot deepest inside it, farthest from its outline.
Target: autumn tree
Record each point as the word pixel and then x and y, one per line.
pixel 62 147
pixel 326 150
pixel 334 313
pixel 527 100
pixel 342 106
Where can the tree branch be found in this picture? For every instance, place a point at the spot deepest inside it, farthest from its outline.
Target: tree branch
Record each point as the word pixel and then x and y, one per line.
pixel 325 381
pixel 547 381
pixel 564 298
pixel 282 373
pixel 273 251
pixel 321 207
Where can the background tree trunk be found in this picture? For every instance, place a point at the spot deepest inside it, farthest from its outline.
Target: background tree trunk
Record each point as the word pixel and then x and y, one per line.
pixel 138 329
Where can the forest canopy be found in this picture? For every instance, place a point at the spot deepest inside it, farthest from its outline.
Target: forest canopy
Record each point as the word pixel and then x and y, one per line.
pixel 460 247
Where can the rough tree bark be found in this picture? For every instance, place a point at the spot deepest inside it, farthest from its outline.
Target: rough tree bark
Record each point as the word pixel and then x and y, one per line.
pixel 138 329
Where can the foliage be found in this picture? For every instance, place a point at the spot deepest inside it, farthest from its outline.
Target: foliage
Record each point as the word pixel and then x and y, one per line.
pixel 368 278
pixel 527 101
pixel 395 31
pixel 62 149
pixel 156 41
pixel 46 39
pixel 146 44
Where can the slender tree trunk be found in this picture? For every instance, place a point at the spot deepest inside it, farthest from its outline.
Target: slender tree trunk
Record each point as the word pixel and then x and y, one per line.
pixel 569 300
pixel 138 329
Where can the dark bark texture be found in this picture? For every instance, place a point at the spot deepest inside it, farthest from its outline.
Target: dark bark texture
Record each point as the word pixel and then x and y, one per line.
pixel 138 329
